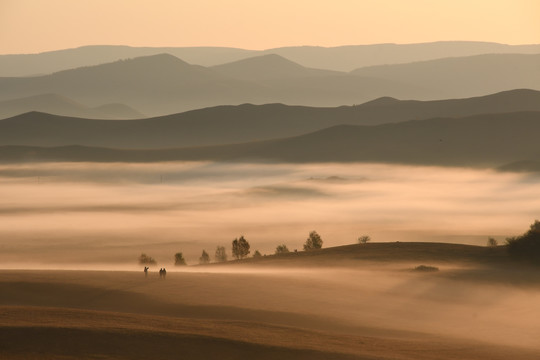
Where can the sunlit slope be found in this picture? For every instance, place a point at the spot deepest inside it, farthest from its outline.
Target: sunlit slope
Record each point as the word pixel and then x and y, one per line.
pixel 481 140
pixel 243 123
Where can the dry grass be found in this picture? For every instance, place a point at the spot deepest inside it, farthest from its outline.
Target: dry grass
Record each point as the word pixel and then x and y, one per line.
pixel 247 312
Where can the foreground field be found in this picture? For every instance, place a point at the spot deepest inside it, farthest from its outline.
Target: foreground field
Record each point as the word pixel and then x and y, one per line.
pixel 374 311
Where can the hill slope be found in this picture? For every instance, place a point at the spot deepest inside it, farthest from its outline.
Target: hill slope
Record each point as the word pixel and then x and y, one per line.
pixel 163 84
pixel 480 140
pixel 61 105
pixel 235 124
pixel 267 67
pixel 341 58
pixel 467 76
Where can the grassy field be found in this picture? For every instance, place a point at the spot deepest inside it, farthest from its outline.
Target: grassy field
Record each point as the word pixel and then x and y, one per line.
pixel 348 302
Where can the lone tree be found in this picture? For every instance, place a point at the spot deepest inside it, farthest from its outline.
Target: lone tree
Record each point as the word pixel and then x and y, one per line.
pixel 205 258
pixel 146 260
pixel 364 239
pixel 492 242
pixel 179 259
pixel 526 246
pixel 240 248
pixel 257 254
pixel 221 254
pixel 282 249
pixel 313 242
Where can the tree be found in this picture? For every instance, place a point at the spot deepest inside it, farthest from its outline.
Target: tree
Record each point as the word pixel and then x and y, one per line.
pixel 240 248
pixel 526 246
pixel 282 249
pixel 179 259
pixel 146 260
pixel 221 254
pixel 257 254
pixel 492 242
pixel 313 242
pixel 205 258
pixel 364 239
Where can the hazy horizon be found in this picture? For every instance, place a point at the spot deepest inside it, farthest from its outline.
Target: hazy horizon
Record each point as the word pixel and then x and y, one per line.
pixel 60 24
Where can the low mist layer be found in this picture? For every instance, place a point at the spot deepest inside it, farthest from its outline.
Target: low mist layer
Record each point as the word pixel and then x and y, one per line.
pixel 82 214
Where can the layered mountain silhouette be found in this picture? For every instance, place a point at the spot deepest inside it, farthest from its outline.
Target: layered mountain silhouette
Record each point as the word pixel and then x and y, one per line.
pixel 243 123
pixel 163 84
pixel 480 140
pixel 266 67
pixel 341 58
pixel 468 76
pixel 61 105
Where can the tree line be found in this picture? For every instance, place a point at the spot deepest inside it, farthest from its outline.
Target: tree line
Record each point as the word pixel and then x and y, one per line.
pixel 240 249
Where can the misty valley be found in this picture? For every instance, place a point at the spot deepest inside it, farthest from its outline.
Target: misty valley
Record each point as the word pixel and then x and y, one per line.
pixel 353 202
pixel 83 215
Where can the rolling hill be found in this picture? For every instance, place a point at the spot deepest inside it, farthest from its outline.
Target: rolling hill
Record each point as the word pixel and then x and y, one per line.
pixel 235 124
pixel 341 58
pixel 477 141
pixel 266 67
pixel 61 105
pixel 163 84
pixel 466 76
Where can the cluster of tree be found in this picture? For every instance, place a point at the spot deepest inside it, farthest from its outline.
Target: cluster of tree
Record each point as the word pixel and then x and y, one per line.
pixel 240 250
pixel 526 246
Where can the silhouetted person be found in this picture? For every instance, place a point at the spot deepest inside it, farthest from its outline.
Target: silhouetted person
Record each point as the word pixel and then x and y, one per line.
pixel 160 273
pixel 164 273
pixel 146 271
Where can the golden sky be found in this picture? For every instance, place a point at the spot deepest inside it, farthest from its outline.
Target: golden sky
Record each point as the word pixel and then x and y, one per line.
pixel 28 26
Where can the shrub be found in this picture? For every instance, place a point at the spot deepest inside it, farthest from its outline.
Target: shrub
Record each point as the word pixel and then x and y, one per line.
pixel 282 249
pixel 492 242
pixel 364 239
pixel 526 246
pixel 146 260
pixel 426 268
pixel 257 254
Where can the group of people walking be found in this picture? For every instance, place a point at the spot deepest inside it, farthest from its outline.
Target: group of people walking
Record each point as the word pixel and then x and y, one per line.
pixel 162 272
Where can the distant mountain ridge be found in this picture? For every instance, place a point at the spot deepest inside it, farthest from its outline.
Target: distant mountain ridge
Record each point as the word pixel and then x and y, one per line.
pixel 267 67
pixel 243 123
pixel 475 141
pixel 61 105
pixel 163 84
pixel 340 58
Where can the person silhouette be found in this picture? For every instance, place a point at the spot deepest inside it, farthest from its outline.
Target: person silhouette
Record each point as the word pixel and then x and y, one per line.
pixel 146 271
pixel 164 273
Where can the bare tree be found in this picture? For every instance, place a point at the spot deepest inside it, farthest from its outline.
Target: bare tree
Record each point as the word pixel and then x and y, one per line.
pixel 492 242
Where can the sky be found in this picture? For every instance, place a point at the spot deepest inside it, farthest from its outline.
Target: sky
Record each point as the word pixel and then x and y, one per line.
pixel 31 26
